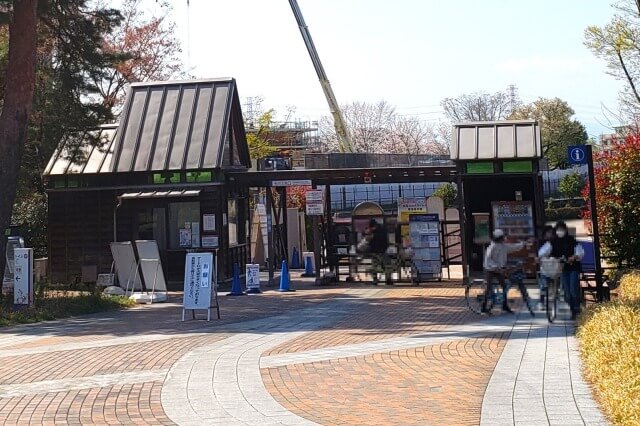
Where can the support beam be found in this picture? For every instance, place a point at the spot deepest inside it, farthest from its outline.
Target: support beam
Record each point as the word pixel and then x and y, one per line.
pixel 270 251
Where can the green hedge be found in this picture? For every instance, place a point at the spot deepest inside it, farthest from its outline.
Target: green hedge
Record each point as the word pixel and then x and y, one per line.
pixel 564 213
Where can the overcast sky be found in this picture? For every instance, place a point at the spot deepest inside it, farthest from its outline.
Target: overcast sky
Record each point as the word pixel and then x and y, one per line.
pixel 411 53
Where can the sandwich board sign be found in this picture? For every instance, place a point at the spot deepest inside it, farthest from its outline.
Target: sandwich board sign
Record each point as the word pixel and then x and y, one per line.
pixel 253 278
pixel 200 280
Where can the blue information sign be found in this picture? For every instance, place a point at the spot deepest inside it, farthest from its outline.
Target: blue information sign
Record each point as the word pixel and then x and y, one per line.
pixel 577 154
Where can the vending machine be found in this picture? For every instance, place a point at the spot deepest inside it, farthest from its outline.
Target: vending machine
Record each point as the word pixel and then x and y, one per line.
pixel 516 219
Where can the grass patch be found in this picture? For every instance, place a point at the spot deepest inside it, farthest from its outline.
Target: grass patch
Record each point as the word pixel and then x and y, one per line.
pixel 609 336
pixel 60 304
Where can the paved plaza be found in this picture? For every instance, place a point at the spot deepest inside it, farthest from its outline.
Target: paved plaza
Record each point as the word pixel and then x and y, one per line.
pixel 320 355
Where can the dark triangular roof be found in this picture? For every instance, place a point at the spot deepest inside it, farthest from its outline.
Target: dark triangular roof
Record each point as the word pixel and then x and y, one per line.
pixel 181 125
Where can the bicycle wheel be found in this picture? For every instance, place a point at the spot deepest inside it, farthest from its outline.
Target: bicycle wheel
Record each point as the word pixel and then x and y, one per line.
pixel 552 300
pixel 474 296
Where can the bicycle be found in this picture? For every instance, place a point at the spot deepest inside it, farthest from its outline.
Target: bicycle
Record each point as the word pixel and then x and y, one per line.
pixel 475 291
pixel 552 268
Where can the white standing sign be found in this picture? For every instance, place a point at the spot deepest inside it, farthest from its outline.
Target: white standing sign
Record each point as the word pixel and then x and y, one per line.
pixel 253 277
pixel 23 276
pixel 314 202
pixel 200 284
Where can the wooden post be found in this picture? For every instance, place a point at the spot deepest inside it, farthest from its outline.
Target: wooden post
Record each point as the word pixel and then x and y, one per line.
pixel 270 251
pixel 594 225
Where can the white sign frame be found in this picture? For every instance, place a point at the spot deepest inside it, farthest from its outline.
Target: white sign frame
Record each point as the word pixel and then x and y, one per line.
pixel 200 284
pixel 126 265
pixel 151 265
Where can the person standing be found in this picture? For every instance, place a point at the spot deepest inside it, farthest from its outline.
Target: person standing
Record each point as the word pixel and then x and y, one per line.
pixel 544 251
pixel 565 246
pixel 495 263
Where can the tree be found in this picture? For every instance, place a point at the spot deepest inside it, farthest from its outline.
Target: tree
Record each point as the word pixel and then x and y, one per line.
pixel 146 49
pixel 377 128
pixel 571 185
pixel 258 136
pixel 618 43
pixel 369 125
pixel 69 59
pixel 480 106
pixel 558 128
pixel 17 102
pixel 448 192
pixel 617 180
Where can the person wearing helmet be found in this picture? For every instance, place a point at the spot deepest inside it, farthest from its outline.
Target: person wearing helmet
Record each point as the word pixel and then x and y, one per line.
pixel 495 262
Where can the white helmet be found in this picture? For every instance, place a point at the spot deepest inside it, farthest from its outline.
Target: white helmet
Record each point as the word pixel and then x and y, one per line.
pixel 498 233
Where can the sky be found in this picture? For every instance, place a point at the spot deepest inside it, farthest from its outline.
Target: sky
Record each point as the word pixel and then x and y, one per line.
pixel 411 53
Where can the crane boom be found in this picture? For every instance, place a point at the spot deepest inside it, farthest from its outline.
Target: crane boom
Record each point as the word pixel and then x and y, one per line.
pixel 344 140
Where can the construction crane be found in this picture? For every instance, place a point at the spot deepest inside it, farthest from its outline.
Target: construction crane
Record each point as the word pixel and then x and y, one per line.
pixel 344 140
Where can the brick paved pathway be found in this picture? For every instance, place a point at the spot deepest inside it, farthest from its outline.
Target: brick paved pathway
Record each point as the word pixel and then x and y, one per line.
pixel 318 356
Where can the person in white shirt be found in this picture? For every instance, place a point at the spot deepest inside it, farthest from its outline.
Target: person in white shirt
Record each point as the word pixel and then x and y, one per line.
pixel 495 262
pixel 544 251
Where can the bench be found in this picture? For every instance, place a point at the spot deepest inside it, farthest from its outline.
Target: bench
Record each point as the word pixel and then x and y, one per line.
pixel 588 273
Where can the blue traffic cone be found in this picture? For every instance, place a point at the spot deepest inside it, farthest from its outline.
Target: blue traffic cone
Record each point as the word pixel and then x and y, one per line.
pixel 295 259
pixel 285 279
pixel 308 267
pixel 236 286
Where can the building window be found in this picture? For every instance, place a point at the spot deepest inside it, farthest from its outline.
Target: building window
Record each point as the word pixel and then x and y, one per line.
pixel 184 225
pixel 236 221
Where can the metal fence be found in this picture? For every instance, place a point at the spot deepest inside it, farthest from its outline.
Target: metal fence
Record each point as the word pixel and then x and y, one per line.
pixel 346 197
pixel 363 161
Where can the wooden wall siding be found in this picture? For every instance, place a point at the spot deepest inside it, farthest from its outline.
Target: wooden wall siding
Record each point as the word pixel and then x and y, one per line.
pixel 80 229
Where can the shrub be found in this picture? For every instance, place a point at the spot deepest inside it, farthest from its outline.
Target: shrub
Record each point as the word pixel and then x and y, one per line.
pixel 448 193
pixel 618 200
pixel 571 185
pixel 629 288
pixel 609 338
pixel 60 304
pixel 563 213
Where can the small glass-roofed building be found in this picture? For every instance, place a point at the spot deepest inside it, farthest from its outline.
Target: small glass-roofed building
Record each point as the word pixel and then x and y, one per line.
pixel 157 175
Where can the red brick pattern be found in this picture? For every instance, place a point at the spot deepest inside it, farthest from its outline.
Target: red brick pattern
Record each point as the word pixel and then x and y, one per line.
pixel 441 384
pixel 402 312
pixel 137 404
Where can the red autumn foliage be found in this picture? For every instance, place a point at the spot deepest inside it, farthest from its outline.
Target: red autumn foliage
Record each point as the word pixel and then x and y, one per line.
pixel 150 48
pixel 296 197
pixel 617 181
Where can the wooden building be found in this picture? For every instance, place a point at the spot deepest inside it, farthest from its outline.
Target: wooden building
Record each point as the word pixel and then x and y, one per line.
pixel 159 174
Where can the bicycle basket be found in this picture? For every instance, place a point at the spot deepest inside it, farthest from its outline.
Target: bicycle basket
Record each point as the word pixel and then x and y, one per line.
pixel 551 267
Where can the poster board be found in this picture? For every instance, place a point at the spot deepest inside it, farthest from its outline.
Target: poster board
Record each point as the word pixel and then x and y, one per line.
pixel 407 207
pixel 7 280
pixel 125 261
pixel 23 277
pixel 200 280
pixel 253 278
pixel 314 202
pixel 424 231
pixel 151 265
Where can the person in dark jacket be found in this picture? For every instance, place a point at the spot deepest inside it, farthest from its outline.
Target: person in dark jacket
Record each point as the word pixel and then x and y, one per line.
pixel 378 240
pixel 565 246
